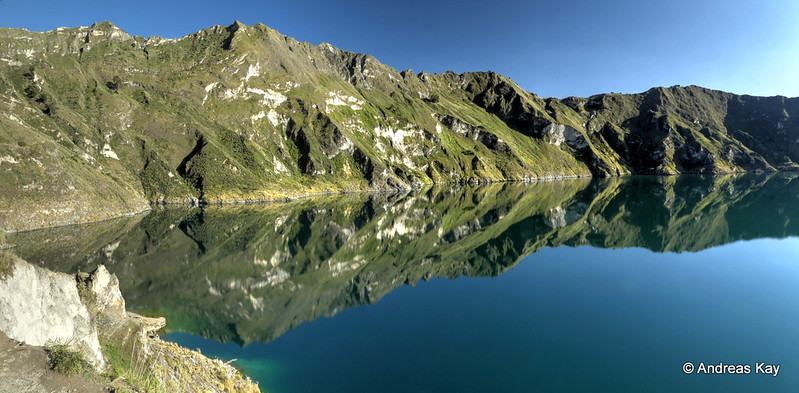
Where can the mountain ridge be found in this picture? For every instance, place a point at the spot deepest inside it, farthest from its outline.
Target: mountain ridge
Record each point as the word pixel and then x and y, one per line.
pixel 238 24
pixel 97 123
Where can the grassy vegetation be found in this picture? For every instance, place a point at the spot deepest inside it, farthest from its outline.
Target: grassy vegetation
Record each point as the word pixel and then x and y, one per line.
pixel 6 262
pixel 122 118
pixel 135 368
pixel 66 360
pixel 155 366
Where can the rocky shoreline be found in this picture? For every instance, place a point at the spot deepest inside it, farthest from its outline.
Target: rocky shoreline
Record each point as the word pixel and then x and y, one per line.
pixel 25 225
pixel 85 314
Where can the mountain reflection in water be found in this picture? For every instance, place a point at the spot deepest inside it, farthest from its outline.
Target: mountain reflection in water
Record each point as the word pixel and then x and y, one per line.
pixel 250 273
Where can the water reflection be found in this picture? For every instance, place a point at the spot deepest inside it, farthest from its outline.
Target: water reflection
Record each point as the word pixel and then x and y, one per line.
pixel 250 273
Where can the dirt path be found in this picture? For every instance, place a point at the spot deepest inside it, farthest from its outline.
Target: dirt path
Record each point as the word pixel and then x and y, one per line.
pixel 24 369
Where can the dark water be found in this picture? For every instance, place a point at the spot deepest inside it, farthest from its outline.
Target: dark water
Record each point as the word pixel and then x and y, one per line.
pixel 602 285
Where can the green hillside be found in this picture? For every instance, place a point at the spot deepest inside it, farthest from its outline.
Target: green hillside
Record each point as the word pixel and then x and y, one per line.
pixel 96 123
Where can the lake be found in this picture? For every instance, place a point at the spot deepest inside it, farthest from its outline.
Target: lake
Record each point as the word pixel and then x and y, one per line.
pixel 580 285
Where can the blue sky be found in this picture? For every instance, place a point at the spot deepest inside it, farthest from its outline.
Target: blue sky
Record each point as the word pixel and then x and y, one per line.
pixel 552 48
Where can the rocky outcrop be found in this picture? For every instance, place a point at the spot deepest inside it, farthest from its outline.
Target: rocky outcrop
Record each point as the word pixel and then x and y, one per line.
pixel 488 139
pixel 103 290
pixel 559 134
pixel 40 307
pixel 86 312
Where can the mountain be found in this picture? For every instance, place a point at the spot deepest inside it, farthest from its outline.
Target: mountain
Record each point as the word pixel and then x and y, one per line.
pixel 96 123
pixel 250 273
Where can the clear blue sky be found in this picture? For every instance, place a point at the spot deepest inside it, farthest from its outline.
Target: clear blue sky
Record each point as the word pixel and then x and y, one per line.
pixel 552 48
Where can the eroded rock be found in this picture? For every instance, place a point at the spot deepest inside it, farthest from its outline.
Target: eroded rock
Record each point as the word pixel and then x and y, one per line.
pixel 41 307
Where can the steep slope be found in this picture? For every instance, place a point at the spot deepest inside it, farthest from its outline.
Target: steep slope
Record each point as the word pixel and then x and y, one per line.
pixel 96 123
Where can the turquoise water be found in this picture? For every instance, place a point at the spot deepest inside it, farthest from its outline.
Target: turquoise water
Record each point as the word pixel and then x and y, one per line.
pixel 564 319
pixel 584 285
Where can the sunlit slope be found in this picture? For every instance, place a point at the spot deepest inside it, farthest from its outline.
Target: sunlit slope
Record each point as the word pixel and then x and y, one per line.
pixel 96 123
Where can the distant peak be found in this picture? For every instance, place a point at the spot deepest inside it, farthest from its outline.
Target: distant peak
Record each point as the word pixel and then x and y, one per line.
pixel 104 25
pixel 236 26
pixel 107 31
pixel 328 46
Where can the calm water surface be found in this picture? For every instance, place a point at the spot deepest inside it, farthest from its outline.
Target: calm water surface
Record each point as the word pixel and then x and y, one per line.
pixel 602 285
pixel 564 319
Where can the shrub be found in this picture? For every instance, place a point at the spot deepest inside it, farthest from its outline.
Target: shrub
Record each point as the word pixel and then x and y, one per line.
pixel 67 361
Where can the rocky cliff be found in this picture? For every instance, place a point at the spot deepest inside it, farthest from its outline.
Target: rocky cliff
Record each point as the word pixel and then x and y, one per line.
pixel 96 123
pixel 39 306
pixel 86 313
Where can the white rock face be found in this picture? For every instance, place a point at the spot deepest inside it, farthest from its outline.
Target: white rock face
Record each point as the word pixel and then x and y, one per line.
pixel 279 167
pixel 272 278
pixel 15 119
pixel 8 159
pixel 114 34
pixel 335 98
pixel 253 70
pixel 108 152
pixel 557 217
pixel 339 268
pixel 38 306
pixel 271 98
pixel 105 287
pixel 208 90
pixel 560 133
pixel 277 119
